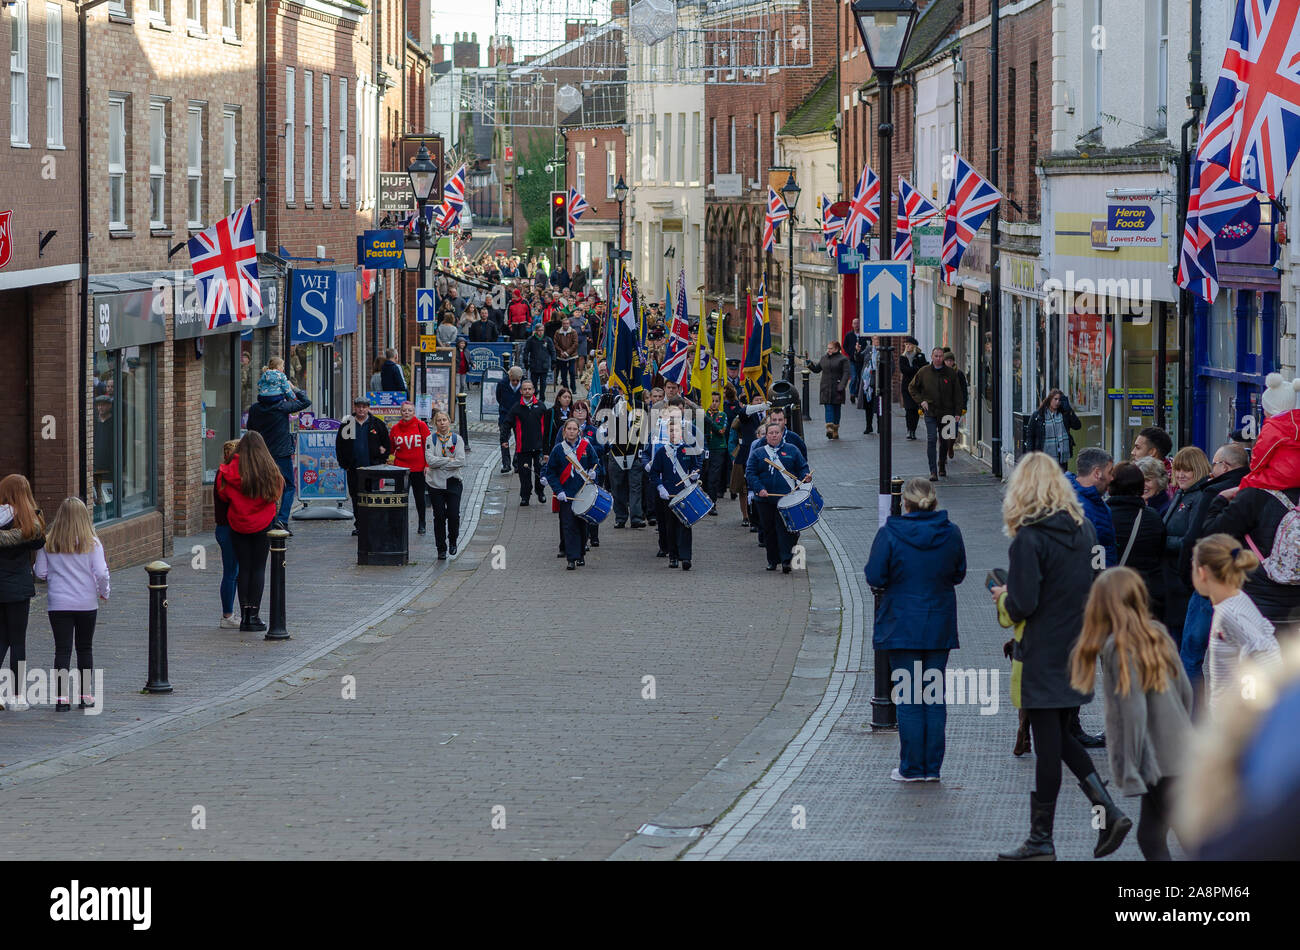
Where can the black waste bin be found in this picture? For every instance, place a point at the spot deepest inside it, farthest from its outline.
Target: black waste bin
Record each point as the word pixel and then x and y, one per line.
pixel 382 525
pixel 786 396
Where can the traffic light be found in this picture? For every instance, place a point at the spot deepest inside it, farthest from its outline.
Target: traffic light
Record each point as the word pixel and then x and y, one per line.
pixel 559 215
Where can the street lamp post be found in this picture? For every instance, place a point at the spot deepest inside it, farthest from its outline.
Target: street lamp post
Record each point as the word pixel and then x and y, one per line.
pixel 790 191
pixel 885 26
pixel 620 195
pixel 423 174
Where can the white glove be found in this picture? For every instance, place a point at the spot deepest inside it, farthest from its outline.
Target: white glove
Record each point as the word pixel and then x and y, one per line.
pixel 561 496
pixel 663 493
pixel 592 474
pixel 545 483
pixel 694 476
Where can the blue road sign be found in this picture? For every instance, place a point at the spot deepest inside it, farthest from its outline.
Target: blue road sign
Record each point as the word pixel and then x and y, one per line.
pixel 883 290
pixel 426 305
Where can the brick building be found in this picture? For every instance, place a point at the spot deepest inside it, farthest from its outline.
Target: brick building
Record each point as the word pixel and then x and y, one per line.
pixel 39 285
pixel 595 157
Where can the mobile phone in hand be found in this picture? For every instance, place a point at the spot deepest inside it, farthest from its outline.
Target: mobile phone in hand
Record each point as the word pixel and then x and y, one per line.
pixel 995 578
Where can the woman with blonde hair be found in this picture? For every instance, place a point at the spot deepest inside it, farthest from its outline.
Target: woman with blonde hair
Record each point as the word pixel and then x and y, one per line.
pixel 1191 473
pixel 1148 698
pixel 73 563
pixel 1047 584
pixel 22 533
pixel 251 484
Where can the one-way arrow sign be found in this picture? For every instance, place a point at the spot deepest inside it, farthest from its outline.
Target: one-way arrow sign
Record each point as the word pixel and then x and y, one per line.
pixel 884 289
pixel 426 305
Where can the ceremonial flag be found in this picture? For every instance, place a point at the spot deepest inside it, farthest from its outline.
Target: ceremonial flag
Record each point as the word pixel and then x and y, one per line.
pixel 224 261
pixel 453 201
pixel 775 214
pixel 718 371
pixel 1252 127
pixel 677 354
pixel 577 208
pixel 913 209
pixel 864 209
pixel 701 380
pixel 765 352
pixel 756 367
pixel 971 199
pixel 623 365
pixel 832 225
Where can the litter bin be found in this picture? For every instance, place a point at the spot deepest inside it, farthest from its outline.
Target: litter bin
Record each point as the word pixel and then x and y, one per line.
pixel 786 396
pixel 382 518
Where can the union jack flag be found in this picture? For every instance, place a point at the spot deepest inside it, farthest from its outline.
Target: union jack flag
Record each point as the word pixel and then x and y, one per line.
pixel 677 362
pixel 1252 127
pixel 832 224
pixel 1214 201
pixel 864 209
pixel 776 213
pixel 971 199
pixel 224 261
pixel 913 209
pixel 577 208
pixel 453 201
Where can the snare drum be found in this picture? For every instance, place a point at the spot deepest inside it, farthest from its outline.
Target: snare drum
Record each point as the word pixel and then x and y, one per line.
pixel 592 504
pixel 690 505
pixel 801 508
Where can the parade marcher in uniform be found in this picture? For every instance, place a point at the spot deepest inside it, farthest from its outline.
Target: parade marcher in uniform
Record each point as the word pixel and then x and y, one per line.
pixel 909 364
pixel 626 426
pixel 672 470
pixel 665 417
pixel 528 418
pixel 566 482
pixel 362 440
pixel 731 408
pixel 409 437
pixel 444 456
pixel 715 445
pixel 508 395
pixel 767 484
pixel 600 441
pixel 834 382
pixel 745 426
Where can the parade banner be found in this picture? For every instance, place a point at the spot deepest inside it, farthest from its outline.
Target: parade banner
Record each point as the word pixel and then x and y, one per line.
pixel 318 473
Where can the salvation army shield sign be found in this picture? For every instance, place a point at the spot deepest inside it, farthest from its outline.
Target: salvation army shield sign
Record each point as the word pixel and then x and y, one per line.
pixel 6 238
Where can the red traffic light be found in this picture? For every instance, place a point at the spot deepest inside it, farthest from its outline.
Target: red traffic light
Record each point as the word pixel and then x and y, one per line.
pixel 559 199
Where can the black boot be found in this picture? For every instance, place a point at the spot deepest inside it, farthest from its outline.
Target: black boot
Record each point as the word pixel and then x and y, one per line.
pixel 1088 742
pixel 1115 825
pixel 1038 846
pixel 245 619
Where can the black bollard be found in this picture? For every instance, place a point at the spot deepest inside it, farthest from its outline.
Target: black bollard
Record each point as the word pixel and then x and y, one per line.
pixel 805 372
pixel 464 418
pixel 275 630
pixel 157 682
pixel 895 496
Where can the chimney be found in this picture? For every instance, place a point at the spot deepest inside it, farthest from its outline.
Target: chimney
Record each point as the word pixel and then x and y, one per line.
pixel 437 48
pixel 576 28
pixel 617 9
pixel 465 52
pixel 501 52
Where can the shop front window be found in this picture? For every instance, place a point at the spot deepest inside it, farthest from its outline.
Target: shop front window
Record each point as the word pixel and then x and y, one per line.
pixel 220 421
pixel 124 433
pixel 253 354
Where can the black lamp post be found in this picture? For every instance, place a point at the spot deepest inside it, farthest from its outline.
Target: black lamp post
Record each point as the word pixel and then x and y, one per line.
pixel 885 26
pixel 620 195
pixel 423 174
pixel 790 191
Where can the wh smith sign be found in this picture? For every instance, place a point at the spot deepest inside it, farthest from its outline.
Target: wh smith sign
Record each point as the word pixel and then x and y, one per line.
pixel 323 305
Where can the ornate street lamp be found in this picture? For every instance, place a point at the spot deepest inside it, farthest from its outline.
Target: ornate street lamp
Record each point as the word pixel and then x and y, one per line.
pixel 790 191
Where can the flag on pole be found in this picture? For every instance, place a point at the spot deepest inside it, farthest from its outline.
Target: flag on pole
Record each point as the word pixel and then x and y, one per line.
pixel 832 225
pixel 765 362
pixel 971 199
pixel 676 363
pixel 864 209
pixel 577 208
pixel 1214 201
pixel 224 261
pixel 913 209
pixel 775 214
pixel 1252 127
pixel 701 378
pixel 453 201
pixel 623 365
pixel 756 367
pixel 718 371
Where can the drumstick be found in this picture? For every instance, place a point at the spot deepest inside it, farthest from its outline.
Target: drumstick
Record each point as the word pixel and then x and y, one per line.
pixel 778 467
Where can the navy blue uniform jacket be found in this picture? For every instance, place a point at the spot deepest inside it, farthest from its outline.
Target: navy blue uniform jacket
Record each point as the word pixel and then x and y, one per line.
pixel 760 475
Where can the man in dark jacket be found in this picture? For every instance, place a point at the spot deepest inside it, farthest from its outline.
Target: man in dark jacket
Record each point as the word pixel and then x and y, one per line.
pixel 269 417
pixel 481 330
pixel 852 347
pixel 391 376
pixel 362 440
pixel 528 419
pixel 936 389
pixel 508 395
pixel 561 278
pixel 1095 470
pixel 539 354
pixel 579 282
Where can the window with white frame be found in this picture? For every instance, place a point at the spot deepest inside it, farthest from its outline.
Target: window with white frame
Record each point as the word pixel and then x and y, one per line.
pixel 362 188
pixel 1162 66
pixel 325 139
pixel 611 170
pixel 681 146
pixel 119 7
pixel 194 14
pixel 758 146
pixel 157 164
pixel 158 10
pixel 308 94
pixel 194 166
pixel 732 167
pixel 580 170
pixel 229 151
pixel 713 125
pixel 776 145
pixel 695 146
pixel 343 140
pixel 18 73
pixel 636 149
pixel 666 149
pixel 53 75
pixel 117 162
pixel 1098 47
pixel 289 122
pixel 230 18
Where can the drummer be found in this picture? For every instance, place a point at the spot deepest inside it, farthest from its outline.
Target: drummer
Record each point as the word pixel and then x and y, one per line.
pixel 769 485
pixel 566 482
pixel 671 462
pixel 582 412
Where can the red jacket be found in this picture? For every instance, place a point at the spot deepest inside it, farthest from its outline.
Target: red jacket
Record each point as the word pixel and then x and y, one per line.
pixel 246 515
pixel 1275 463
pixel 408 440
pixel 518 310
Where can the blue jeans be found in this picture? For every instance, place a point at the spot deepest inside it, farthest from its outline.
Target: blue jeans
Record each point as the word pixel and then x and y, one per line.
pixel 1196 635
pixel 229 569
pixel 920 723
pixel 855 376
pixel 285 465
pixel 833 413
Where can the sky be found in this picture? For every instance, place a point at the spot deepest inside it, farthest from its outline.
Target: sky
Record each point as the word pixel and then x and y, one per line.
pixel 535 25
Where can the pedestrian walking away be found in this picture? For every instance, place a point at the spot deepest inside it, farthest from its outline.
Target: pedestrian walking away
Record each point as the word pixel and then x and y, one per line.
pixel 22 535
pixel 76 571
pixel 1139 533
pixel 1148 698
pixel 1050 572
pixel 917 560
pixel 251 485
pixel 444 456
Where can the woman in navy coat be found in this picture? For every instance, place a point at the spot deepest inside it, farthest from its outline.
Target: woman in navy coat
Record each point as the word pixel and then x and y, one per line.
pixel 917 560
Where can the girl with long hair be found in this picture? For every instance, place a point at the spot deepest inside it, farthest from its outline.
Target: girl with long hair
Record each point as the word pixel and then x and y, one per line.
pixel 251 484
pixel 229 564
pixel 1148 698
pixel 1043 600
pixel 74 565
pixel 22 533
